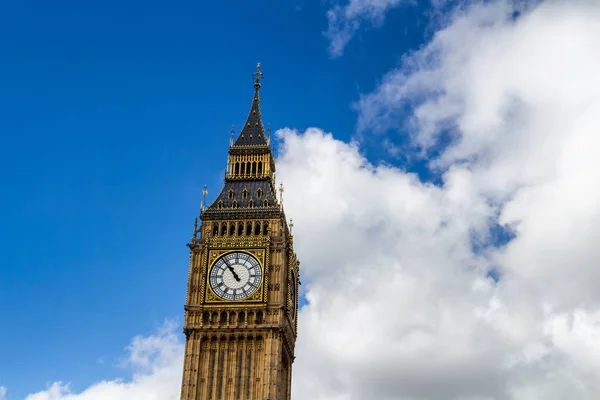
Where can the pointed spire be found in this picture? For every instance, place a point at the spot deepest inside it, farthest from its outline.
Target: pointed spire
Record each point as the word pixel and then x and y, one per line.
pixel 258 75
pixel 203 203
pixel 253 132
pixel 281 195
pixel 194 236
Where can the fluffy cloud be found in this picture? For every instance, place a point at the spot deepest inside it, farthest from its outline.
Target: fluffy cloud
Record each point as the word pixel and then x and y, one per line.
pixel 401 305
pixel 521 100
pixel 394 286
pixel 345 20
pixel 2 393
pixel 156 362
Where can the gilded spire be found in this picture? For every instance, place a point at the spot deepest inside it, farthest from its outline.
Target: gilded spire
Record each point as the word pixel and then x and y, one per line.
pixel 281 195
pixel 253 132
pixel 204 193
pixel 257 76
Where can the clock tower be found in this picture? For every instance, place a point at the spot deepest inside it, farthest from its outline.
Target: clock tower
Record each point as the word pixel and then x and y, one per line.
pixel 241 304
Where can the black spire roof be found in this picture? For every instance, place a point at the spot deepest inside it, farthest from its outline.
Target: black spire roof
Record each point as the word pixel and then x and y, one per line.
pixel 253 132
pixel 248 196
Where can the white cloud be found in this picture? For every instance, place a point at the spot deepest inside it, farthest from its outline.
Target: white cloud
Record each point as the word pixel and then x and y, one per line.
pixel 2 392
pixel 344 21
pixel 156 362
pixel 521 98
pixel 400 305
pixel 393 286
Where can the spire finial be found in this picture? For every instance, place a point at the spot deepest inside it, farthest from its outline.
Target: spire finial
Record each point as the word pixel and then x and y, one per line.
pixel 269 134
pixel 195 228
pixel 257 76
pixel 281 195
pixel 204 193
pixel 232 134
pixel 291 225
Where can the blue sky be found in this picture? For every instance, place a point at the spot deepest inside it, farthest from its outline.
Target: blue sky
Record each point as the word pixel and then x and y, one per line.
pixel 113 115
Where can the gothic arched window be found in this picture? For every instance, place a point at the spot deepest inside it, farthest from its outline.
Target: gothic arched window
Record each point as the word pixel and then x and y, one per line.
pixel 257 228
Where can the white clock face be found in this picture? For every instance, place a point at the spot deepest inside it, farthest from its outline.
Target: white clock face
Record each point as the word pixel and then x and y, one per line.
pixel 235 276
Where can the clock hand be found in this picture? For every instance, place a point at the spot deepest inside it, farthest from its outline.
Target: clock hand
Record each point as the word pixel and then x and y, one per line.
pixel 237 278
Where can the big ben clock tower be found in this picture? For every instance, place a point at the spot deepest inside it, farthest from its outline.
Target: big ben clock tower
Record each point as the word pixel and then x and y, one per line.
pixel 241 305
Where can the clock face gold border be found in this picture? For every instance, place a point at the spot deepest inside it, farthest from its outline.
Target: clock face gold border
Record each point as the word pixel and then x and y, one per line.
pixel 259 294
pixel 235 276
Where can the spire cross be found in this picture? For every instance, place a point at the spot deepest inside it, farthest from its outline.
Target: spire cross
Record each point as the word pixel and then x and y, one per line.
pixel 291 224
pixel 257 76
